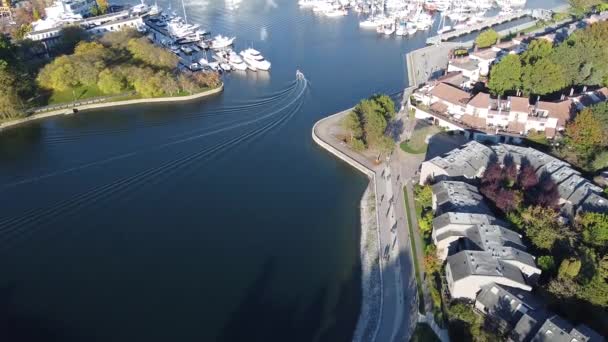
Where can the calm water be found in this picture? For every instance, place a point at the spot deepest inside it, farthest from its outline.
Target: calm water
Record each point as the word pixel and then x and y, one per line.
pixel 218 220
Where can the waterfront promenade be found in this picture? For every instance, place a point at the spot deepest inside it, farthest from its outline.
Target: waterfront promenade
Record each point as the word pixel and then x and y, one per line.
pixel 399 303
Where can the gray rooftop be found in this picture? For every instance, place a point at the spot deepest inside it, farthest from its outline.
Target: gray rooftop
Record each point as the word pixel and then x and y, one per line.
pixel 506 303
pixel 463 219
pixel 459 197
pixel 468 263
pixel 557 329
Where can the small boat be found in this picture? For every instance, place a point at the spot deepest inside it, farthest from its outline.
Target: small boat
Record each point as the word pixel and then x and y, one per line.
pixel 401 29
pixel 225 66
pixel 335 13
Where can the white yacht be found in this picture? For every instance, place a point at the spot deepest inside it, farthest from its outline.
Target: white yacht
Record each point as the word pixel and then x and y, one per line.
pixel 401 29
pixel 445 29
pixel 389 29
pixel 335 13
pixel 255 59
pixel 411 28
pixel 369 23
pixel 221 42
pixel 236 61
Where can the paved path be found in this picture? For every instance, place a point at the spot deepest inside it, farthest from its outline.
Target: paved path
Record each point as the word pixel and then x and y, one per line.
pixel 399 313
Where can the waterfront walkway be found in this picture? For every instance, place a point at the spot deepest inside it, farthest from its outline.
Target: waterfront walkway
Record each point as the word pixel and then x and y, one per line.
pixel 399 311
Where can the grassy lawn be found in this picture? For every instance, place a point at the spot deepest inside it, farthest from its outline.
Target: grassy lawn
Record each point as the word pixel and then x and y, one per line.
pixel 424 333
pixel 538 137
pixel 417 144
pixel 79 93
pixel 415 256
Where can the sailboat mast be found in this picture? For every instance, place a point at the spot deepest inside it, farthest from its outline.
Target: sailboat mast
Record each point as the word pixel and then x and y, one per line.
pixel 184 9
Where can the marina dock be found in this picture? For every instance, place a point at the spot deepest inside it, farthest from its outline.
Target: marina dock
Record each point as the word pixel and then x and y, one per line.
pixel 478 27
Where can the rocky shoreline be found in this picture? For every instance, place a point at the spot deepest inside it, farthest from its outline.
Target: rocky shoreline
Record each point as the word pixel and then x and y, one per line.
pixel 369 317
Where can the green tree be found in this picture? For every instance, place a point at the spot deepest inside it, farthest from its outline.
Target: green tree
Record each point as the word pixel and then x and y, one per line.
pixel 546 263
pixel 432 264
pixel 542 226
pixel 111 82
pixel 505 75
pixel 35 14
pixel 486 38
pixel 580 7
pixel 119 39
pixel 10 102
pixel 60 74
pixel 22 31
pixel 149 84
pixel 169 85
pixel 143 50
pixel 594 227
pixel 424 196
pixel 538 50
pixel 596 291
pixel 569 268
pixel 425 224
pixel 70 37
pixel 102 6
pixel 584 134
pixel 543 77
pixel 387 105
pixel 352 124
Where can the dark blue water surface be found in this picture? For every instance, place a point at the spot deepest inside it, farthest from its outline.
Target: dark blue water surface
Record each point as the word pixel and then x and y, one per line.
pixel 216 220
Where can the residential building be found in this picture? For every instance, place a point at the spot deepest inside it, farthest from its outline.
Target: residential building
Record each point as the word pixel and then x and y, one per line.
pixel 506 306
pixel 558 329
pixel 467 272
pixel 450 196
pixel 469 67
pixel 469 162
pixel 511 114
pixel 524 319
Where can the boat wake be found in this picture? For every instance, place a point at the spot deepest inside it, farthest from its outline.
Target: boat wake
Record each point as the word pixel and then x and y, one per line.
pixel 31 223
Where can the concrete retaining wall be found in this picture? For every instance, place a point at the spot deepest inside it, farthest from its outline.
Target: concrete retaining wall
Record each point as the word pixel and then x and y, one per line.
pixel 372 176
pixel 111 104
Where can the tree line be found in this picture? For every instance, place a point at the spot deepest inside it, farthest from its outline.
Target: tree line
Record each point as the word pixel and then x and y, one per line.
pixel 118 62
pixel 367 124
pixel 544 69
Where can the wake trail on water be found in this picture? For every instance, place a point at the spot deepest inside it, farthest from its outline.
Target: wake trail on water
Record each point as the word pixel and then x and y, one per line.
pixel 268 100
pixel 223 126
pixel 16 228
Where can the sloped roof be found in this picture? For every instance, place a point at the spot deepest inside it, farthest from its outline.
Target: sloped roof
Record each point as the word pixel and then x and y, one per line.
pixel 450 94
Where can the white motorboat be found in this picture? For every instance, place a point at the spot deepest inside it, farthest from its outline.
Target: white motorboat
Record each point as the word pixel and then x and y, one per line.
pixel 369 23
pixel 335 13
pixel 401 29
pixel 445 29
pixel 225 66
pixel 214 66
pixel 411 28
pixel 389 29
pixel 220 42
pixel 255 59
pixel 203 61
pixel 236 61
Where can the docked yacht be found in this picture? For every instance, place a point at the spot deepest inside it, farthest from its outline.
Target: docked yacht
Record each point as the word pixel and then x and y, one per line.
pixel 254 59
pixel 220 42
pixel 335 12
pixel 401 29
pixel 236 61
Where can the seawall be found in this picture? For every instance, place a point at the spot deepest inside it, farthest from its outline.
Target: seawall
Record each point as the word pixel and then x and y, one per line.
pixel 67 111
pixel 372 296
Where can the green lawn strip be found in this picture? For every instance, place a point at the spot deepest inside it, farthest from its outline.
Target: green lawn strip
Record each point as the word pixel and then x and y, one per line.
pixel 79 93
pixel 414 255
pixel 417 143
pixel 424 333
